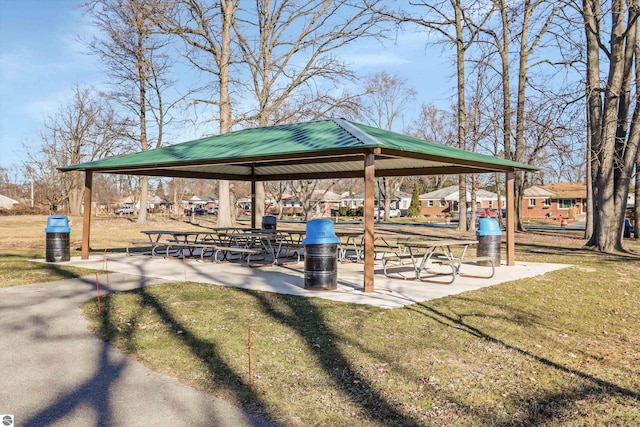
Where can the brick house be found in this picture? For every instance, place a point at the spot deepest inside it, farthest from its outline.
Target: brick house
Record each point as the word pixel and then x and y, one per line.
pixel 566 199
pixel 327 201
pixel 445 200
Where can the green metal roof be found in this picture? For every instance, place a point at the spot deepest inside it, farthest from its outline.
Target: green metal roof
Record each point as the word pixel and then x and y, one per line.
pixel 321 149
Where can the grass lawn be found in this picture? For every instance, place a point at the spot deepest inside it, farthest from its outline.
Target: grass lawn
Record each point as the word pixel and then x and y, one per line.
pixel 561 349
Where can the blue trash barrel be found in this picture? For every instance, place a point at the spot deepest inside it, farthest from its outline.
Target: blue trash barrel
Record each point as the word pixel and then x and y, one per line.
pixel 320 255
pixel 269 222
pixel 57 239
pixel 489 237
pixel 627 228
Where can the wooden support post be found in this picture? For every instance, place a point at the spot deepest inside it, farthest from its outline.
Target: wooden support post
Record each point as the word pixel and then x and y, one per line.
pixel 86 223
pixel 511 219
pixel 369 189
pixel 253 204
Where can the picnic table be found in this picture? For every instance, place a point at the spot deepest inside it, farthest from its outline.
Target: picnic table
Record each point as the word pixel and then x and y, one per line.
pixel 225 243
pixel 350 240
pixel 274 244
pixel 179 243
pixel 353 241
pixel 422 255
pixel 154 240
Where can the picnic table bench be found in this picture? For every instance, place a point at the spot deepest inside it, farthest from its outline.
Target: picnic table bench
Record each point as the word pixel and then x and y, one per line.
pixel 211 248
pixel 141 244
pixel 422 255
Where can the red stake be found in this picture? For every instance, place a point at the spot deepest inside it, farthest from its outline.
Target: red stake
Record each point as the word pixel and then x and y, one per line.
pixel 249 352
pixel 105 268
pixel 98 291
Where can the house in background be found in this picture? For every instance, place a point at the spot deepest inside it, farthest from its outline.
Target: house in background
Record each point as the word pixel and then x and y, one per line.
pixel 327 201
pixel 400 201
pixel 443 201
pixel 566 199
pixel 352 201
pixel 199 203
pixel 7 202
pixel 159 204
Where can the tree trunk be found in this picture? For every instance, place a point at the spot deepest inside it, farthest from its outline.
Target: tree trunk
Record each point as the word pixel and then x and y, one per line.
pixel 258 210
pixel 462 116
pixel 227 7
pixel 519 179
pixel 75 201
pixel 506 85
pixel 636 215
pixel 613 145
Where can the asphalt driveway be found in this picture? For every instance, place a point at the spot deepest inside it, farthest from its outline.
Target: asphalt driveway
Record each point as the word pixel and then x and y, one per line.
pixel 53 371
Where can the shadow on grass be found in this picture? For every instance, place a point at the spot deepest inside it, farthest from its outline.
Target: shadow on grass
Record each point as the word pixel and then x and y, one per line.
pixel 557 252
pixel 540 411
pixel 16 270
pixel 307 320
pixel 206 351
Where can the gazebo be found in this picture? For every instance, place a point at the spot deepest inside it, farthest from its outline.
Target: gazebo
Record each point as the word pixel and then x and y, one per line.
pixel 334 148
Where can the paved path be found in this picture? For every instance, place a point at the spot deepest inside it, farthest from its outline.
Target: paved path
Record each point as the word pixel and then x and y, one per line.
pixel 54 372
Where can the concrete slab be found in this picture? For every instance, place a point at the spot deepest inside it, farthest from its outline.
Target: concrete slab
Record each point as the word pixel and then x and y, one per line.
pixel 289 279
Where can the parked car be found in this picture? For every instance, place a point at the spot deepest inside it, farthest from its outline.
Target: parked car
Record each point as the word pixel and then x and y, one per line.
pixel 198 210
pixel 124 210
pixel 212 211
pixel 486 212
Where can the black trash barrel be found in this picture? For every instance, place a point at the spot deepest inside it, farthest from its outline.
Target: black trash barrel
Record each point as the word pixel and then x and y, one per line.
pixel 489 238
pixel 57 239
pixel 320 255
pixel 269 222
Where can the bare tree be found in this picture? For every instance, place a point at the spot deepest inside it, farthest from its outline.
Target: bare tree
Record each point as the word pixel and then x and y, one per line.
pixel 206 29
pixel 136 59
pixel 439 126
pixel 458 22
pixel 309 194
pixel 10 182
pixel 382 105
pixel 636 214
pixel 523 24
pixel 178 188
pixel 277 190
pixel 478 128
pixel 84 130
pixel 543 11
pixel 613 113
pixel 289 49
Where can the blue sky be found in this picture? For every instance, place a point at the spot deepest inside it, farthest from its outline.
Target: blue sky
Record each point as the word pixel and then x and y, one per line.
pixel 41 60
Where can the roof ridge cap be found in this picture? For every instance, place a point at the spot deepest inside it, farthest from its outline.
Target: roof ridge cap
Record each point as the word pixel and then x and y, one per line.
pixel 361 135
